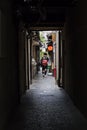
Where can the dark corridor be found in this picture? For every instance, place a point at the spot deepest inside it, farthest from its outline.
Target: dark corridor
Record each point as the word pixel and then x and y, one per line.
pixel 17 19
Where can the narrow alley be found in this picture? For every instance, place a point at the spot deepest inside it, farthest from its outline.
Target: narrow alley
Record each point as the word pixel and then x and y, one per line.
pixel 45 106
pixel 28 29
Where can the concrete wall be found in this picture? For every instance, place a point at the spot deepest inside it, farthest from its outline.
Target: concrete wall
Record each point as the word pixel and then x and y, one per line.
pixel 22 60
pixel 75 54
pixel 57 55
pixel 29 60
pixel 8 64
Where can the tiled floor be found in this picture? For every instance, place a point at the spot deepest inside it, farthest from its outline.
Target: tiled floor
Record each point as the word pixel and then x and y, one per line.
pixel 47 107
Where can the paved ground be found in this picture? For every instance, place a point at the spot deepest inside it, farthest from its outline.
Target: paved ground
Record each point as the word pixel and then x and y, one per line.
pixel 47 107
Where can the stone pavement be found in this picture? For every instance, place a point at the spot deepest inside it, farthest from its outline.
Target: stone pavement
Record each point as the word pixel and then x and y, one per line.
pixel 47 107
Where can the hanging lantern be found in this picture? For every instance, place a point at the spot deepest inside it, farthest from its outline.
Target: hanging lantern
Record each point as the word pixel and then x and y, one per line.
pixel 50 48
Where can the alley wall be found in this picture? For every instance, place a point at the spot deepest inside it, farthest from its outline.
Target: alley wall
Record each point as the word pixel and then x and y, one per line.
pixel 75 54
pixel 8 63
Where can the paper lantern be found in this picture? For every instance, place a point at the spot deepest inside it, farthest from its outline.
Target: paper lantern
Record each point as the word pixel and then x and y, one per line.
pixel 50 48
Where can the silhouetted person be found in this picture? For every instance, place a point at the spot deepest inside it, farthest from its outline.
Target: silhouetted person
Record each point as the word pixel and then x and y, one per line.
pixel 44 64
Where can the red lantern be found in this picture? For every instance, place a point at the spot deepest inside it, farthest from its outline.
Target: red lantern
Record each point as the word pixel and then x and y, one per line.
pixel 50 48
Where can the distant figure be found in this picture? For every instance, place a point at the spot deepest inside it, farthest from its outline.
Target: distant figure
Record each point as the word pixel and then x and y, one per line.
pixel 44 64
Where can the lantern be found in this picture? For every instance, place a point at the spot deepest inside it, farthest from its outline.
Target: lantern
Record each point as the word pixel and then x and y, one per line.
pixel 50 48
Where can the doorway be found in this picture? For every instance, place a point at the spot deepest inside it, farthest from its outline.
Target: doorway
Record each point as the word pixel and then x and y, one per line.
pixel 34 53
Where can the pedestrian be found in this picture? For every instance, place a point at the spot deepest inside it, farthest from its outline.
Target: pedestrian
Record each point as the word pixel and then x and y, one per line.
pixel 44 64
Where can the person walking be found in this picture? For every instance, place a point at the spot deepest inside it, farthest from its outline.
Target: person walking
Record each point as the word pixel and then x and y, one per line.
pixel 44 64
